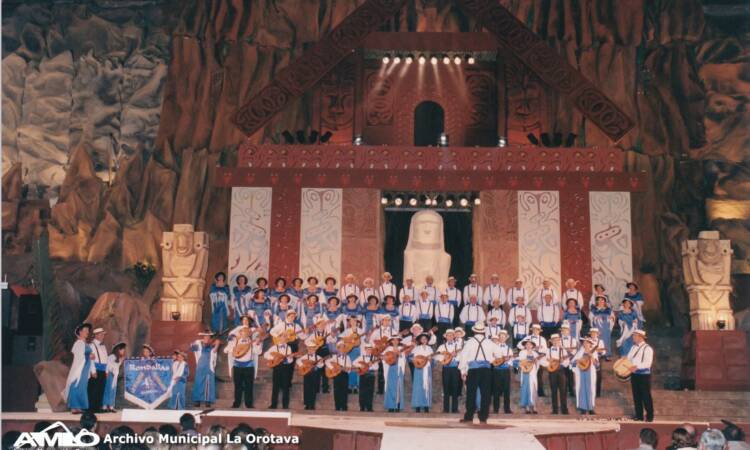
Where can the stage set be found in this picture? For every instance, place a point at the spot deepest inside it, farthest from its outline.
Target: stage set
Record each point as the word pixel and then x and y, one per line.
pixel 453 128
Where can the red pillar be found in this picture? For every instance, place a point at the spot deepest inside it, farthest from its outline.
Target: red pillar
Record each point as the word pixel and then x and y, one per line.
pixel 575 239
pixel 285 226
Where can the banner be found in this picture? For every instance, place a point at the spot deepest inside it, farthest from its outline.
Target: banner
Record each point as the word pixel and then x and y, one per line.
pixel 147 381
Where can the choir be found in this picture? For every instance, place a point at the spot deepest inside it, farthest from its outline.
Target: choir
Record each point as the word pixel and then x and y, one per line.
pixel 480 338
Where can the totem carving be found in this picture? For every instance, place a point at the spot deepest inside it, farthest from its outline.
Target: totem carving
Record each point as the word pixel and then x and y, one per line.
pixel 706 264
pixel 184 261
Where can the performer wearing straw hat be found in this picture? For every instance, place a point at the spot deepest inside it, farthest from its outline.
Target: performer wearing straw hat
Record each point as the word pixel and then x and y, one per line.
pixel 475 366
pixel 447 356
pixel 642 356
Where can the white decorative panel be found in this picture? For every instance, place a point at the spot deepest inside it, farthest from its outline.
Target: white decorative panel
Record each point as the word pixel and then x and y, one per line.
pixel 320 233
pixel 611 242
pixel 538 240
pixel 249 233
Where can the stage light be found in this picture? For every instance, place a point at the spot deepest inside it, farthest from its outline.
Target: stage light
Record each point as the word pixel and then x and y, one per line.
pixel 326 137
pixel 396 59
pixel 470 60
pixel 409 59
pixel 433 60
pixel 502 141
pixel 398 201
pixel 386 59
pixel 422 59
pixel 443 140
pixel 457 60
pixel 446 59
pixel 464 202
pixel 358 140
pixel 413 201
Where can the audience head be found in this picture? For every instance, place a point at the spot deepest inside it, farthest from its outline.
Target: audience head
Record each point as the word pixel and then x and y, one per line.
pixel 712 439
pixel 649 437
pixel 187 422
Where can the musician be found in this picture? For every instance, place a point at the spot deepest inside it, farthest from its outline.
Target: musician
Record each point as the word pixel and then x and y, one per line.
pixel 519 318
pixel 473 288
pixel 501 373
pixel 572 316
pixel 390 308
pixel 516 291
pixel 242 350
pixel 601 352
pixel 349 287
pixel 549 315
pixel 352 335
pixel 421 394
pixel 387 287
pixel 494 291
pixel 528 361
pixel 311 380
pixel 340 365
pixel 425 309
pixel 408 290
pixel 548 289
pixel 642 356
pixel 557 360
pixel 180 371
pixel 394 366
pixel 408 313
pixel 96 384
pixel 219 294
pixel 432 290
pixel 447 356
pixel 242 296
pixel 570 344
pixel 584 368
pixel 370 312
pixel 282 356
pixel 368 290
pixel 602 318
pixel 472 314
pixel 367 379
pixel 330 289
pixel 475 364
pixel 204 384
pixel 454 298
pixel 627 318
pixel 637 298
pixel 82 369
pixel 496 311
pixel 540 345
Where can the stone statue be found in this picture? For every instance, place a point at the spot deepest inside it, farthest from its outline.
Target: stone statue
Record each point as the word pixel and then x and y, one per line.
pixel 425 251
pixel 184 261
pixel 706 265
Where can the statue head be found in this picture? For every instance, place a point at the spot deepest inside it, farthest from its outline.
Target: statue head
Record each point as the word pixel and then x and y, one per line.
pixel 426 231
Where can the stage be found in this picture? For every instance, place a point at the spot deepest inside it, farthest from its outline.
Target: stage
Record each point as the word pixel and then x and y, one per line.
pixel 382 431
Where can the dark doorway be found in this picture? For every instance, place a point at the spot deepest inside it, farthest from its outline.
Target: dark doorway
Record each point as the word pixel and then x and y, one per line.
pixel 429 122
pixel 458 243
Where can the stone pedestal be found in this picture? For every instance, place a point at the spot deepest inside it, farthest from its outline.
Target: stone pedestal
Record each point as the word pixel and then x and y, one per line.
pixel 716 361
pixel 707 264
pixel 185 261
pixel 168 336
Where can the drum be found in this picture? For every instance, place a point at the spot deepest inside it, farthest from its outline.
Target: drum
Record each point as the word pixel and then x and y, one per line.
pixel 622 368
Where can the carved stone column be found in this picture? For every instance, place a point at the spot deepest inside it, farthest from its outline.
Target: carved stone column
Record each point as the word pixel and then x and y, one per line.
pixel 185 261
pixel 707 264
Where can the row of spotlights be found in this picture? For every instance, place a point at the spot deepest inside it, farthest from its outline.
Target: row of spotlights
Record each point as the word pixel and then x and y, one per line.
pixel 431 201
pixel 422 59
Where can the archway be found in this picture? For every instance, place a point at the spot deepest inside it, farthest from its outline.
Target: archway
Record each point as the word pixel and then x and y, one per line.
pixel 429 122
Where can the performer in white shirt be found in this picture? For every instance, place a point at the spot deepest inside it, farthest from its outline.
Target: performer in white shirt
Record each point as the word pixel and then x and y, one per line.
pixel 475 364
pixel 642 356
pixel 516 291
pixel 547 288
pixel 472 314
pixel 386 287
pixel 494 291
pixel 473 288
